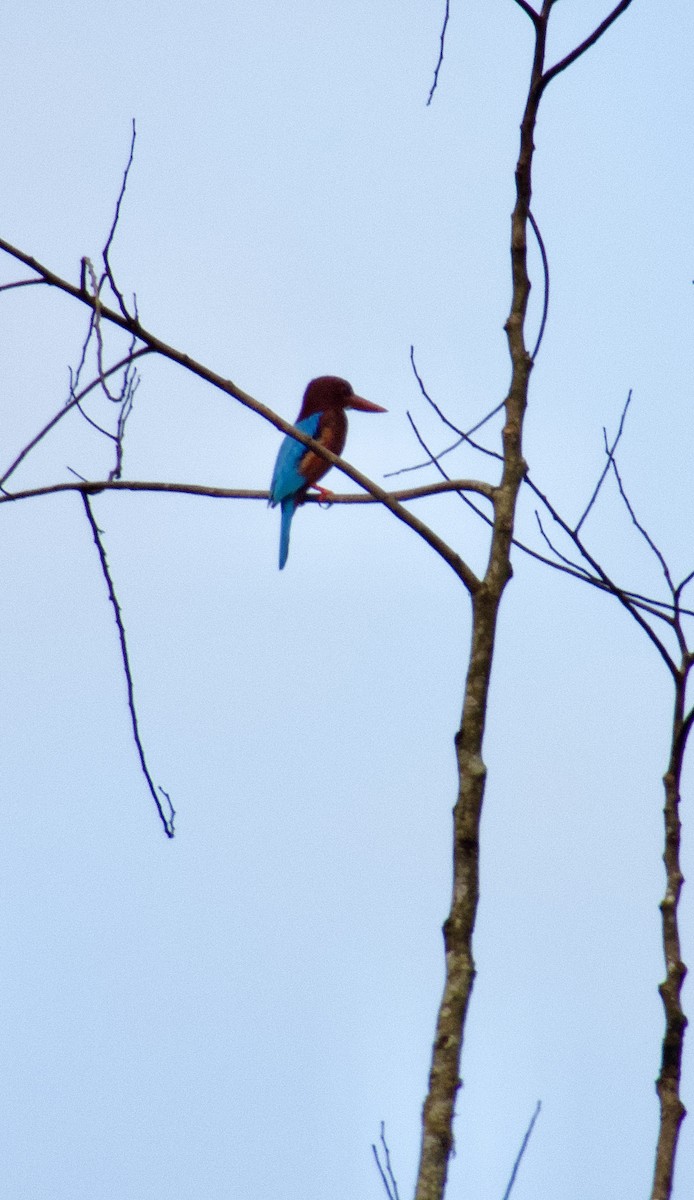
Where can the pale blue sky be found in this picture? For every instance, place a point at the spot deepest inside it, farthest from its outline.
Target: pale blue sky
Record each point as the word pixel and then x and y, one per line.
pixel 231 1015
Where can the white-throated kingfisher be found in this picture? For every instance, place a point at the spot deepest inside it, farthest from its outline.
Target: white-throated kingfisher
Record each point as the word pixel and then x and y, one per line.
pixel 297 468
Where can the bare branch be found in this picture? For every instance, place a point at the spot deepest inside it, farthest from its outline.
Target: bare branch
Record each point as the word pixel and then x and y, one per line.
pixel 131 382
pixel 534 17
pixel 7 287
pixel 464 437
pixel 108 273
pixel 133 326
pixel 610 585
pixel 681 586
pixel 93 486
pixel 609 451
pixel 642 530
pixel 545 269
pixel 585 45
pixel 575 567
pixel 434 461
pixel 167 819
pixel 672 1110
pixel 66 409
pixel 389 1181
pixel 523 1148
pixel 439 64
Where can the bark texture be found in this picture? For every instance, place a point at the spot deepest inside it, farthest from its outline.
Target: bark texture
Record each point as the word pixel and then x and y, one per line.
pixel 486 595
pixel 672 1110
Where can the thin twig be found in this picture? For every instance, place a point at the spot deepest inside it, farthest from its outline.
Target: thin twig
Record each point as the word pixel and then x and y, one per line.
pixel 681 586
pixel 442 416
pixel 439 64
pixel 545 269
pixel 167 819
pixel 7 287
pixel 107 265
pixel 462 436
pixel 389 1180
pixel 434 461
pixel 641 528
pixel 610 585
pixel 534 17
pixel 576 567
pixel 72 403
pixel 522 1150
pixel 609 450
pixel 550 74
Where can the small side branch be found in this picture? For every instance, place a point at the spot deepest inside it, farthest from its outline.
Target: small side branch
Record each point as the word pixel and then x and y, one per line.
pixel 530 12
pixel 545 271
pixel 585 45
pixel 657 552
pixel 108 273
pixel 166 817
pixel 521 1152
pixel 73 402
pixel 18 283
pixel 157 346
pixel 608 583
pixel 385 1169
pixel 609 450
pixel 442 45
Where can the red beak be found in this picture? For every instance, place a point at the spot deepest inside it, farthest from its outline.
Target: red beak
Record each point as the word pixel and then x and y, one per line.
pixel 364 405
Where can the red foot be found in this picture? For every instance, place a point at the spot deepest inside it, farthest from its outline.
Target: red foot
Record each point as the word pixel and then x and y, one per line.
pixel 324 496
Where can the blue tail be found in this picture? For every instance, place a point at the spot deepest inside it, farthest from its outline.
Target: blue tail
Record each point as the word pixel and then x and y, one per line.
pixel 288 510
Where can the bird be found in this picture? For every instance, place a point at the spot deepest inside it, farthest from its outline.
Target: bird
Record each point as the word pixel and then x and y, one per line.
pixel 298 468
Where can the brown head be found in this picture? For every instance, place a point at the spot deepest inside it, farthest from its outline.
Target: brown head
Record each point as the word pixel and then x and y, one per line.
pixel 330 392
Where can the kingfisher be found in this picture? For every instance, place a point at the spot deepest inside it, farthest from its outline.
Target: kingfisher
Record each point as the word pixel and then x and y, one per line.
pixel 297 468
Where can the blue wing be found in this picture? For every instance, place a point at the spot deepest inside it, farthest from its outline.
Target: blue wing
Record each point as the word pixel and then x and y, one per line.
pixel 287 479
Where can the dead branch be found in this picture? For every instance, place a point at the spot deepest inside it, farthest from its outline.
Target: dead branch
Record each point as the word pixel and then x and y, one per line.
pixel 521 1152
pixel 385 1169
pixel 444 1081
pixel 108 273
pixel 534 17
pixel 609 451
pixel 72 403
pixel 166 818
pixel 133 326
pixel 545 271
pixel 585 45
pixel 442 44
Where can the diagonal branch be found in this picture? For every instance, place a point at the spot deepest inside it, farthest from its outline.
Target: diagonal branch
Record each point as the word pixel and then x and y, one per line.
pixel 72 403
pixel 641 528
pixel 545 271
pixel 610 585
pixel 523 1148
pixel 157 346
pixel 609 450
pixel 7 287
pixel 108 273
pixel 585 45
pixel 442 45
pixel 167 818
pixel 534 17
pixel 385 1170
